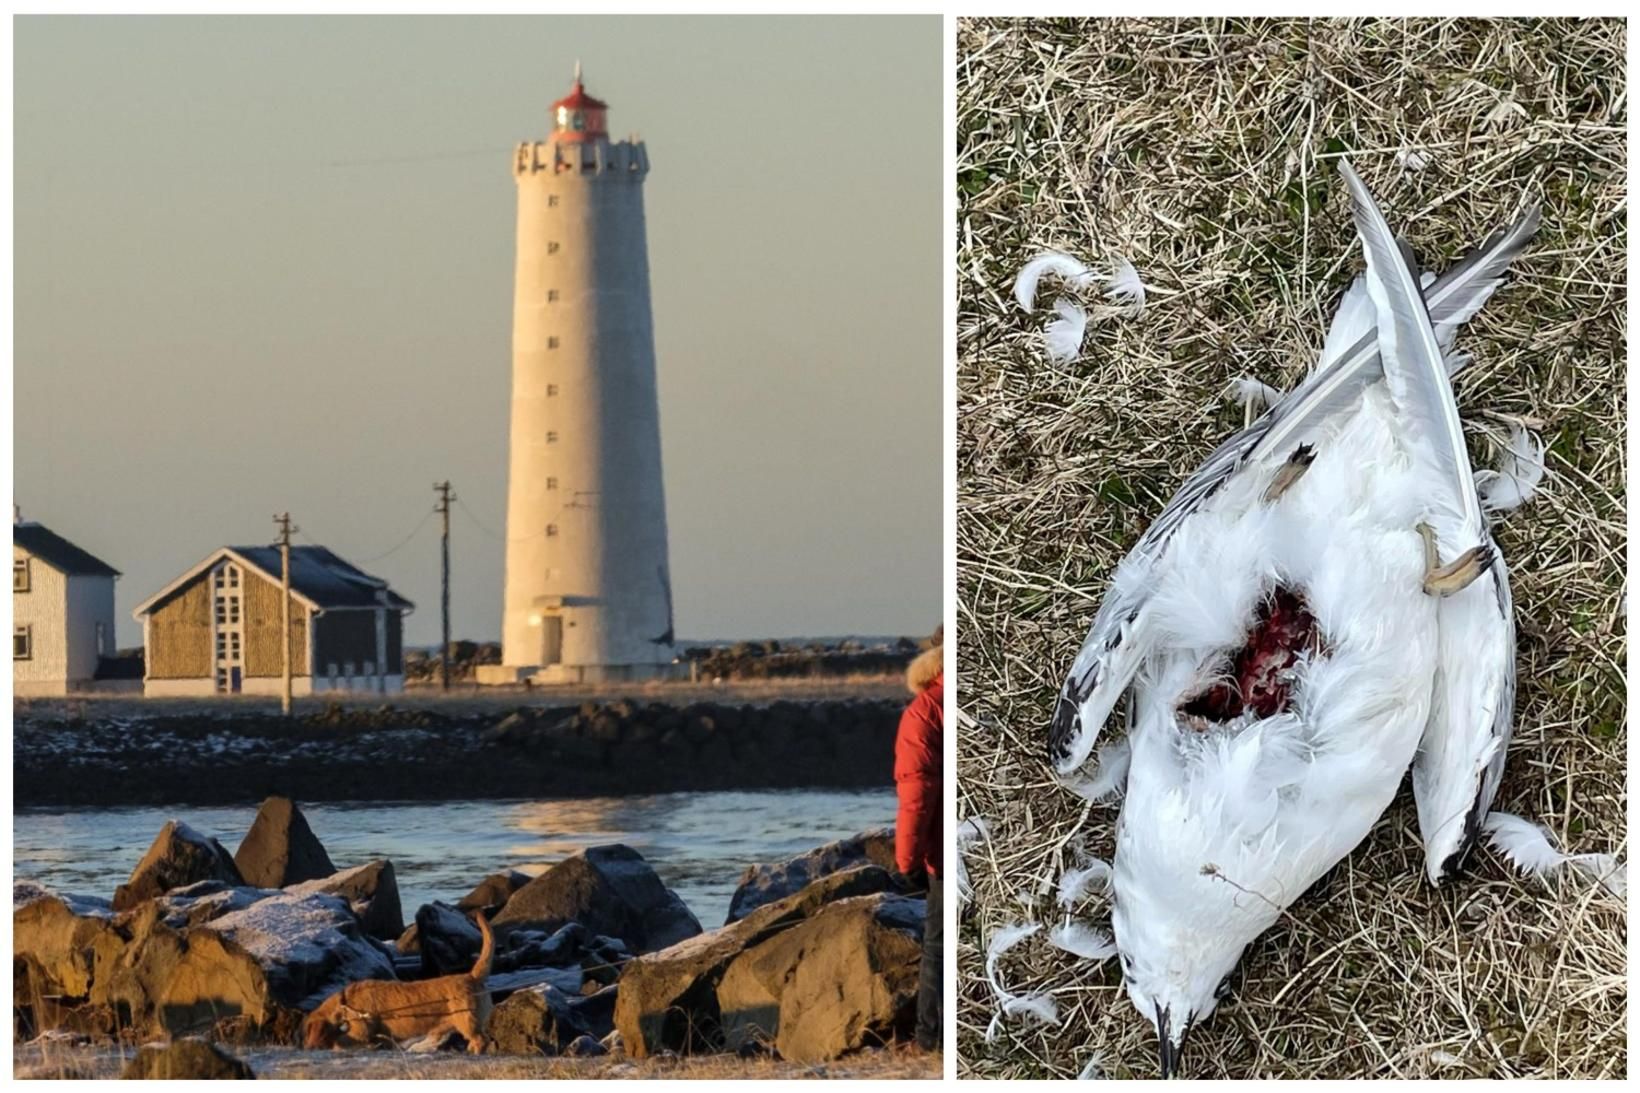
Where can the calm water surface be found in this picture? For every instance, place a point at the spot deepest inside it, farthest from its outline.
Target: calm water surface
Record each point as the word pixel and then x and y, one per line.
pixel 698 842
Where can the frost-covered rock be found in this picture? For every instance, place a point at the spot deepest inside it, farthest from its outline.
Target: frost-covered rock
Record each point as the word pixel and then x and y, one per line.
pixel 371 890
pixel 762 884
pixel 309 945
pixel 178 857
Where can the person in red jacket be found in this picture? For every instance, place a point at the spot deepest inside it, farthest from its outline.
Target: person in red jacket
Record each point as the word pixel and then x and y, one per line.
pixel 919 763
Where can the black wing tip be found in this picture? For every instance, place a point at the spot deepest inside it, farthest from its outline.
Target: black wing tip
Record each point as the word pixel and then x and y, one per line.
pixel 1063 727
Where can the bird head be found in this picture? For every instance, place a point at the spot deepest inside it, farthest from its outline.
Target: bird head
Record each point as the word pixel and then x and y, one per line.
pixel 1175 972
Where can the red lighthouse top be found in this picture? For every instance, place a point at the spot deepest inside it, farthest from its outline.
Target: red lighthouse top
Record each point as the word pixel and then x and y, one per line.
pixel 578 116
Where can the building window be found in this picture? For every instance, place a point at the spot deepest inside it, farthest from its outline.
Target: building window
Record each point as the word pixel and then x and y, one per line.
pixel 19 575
pixel 369 668
pixel 552 390
pixel 102 640
pixel 552 343
pixel 552 201
pixel 552 296
pixel 347 668
pixel 22 642
pixel 552 437
pixel 552 247
pixel 552 531
pixel 552 483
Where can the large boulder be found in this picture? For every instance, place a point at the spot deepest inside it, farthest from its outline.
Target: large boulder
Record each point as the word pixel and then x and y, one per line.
pixel 59 934
pixel 187 1058
pixel 161 980
pixel 842 980
pixel 610 890
pixel 280 849
pixel 544 1020
pixel 309 944
pixel 206 900
pixel 371 890
pixel 446 939
pixel 249 973
pixel 179 856
pixel 762 884
pixel 668 999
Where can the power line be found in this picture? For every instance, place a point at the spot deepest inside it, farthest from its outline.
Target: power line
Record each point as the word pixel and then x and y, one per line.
pixel 378 557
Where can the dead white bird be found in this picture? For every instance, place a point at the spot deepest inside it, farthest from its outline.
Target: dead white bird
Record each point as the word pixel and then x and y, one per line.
pixel 1319 602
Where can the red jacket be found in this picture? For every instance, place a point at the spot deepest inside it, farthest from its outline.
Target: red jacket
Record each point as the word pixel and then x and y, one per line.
pixel 919 763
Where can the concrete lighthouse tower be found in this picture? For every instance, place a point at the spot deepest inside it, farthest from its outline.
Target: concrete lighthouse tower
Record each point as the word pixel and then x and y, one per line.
pixel 588 589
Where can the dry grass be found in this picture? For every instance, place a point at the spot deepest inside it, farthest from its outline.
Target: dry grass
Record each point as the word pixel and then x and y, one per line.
pixel 1205 152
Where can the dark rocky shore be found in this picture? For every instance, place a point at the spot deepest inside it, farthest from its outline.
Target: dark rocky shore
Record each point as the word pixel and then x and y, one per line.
pixel 387 753
pixel 203 956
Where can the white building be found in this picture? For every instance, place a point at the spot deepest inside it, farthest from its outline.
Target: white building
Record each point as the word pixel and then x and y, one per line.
pixel 588 589
pixel 62 601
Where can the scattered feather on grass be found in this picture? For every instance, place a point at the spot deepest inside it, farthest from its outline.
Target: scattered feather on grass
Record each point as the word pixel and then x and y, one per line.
pixel 1079 939
pixel 1063 266
pixel 1250 394
pixel 1124 287
pixel 1530 849
pixel 1063 335
pixel 1076 883
pixel 1519 473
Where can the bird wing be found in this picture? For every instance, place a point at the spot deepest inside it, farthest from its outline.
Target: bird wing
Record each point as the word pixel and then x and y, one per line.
pixel 1461 755
pixel 1459 764
pixel 1413 360
pixel 1118 639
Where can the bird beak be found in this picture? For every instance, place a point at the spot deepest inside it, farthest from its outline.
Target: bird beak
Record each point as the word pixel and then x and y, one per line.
pixel 1169 1050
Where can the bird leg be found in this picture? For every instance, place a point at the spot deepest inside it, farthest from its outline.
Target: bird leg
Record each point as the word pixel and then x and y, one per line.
pixel 1456 575
pixel 1289 472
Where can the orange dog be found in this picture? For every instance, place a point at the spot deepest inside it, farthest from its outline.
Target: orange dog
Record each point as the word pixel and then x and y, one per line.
pixel 372 1010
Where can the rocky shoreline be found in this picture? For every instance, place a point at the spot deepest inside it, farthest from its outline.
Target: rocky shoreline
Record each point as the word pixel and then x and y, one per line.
pixel 595 957
pixel 423 753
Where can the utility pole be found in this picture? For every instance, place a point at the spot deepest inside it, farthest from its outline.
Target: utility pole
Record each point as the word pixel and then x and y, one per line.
pixel 443 509
pixel 282 522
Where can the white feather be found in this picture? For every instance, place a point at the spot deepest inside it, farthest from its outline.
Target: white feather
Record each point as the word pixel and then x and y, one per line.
pixel 1004 938
pixel 1075 883
pixel 1413 362
pixel 1093 1070
pixel 1520 472
pixel 1037 1005
pixel 1107 777
pixel 1412 159
pixel 1249 393
pixel 1061 265
pixel 1064 334
pixel 1530 849
pixel 1124 286
pixel 1083 941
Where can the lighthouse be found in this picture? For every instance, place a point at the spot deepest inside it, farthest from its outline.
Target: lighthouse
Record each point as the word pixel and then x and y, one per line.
pixel 588 594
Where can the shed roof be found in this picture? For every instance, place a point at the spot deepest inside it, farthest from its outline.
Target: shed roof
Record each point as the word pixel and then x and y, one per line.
pixel 318 577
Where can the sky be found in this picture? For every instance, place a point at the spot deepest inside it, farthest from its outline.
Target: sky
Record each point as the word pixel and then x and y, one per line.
pixel 265 264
